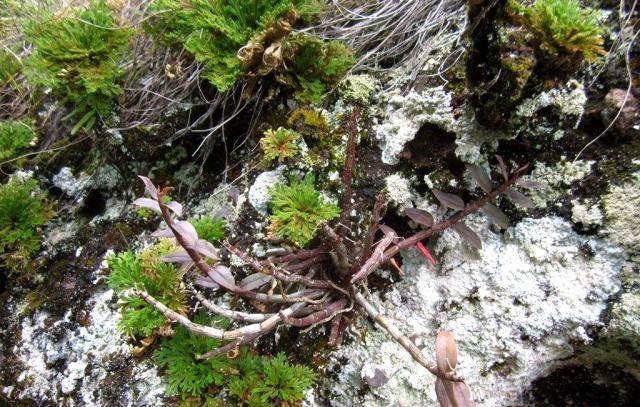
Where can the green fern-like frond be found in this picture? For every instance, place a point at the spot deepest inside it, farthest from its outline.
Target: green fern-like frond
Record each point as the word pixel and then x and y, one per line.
pixel 209 229
pixel 283 383
pixel 188 376
pixel 279 144
pixel 145 272
pixel 77 56
pixel 298 209
pixel 15 136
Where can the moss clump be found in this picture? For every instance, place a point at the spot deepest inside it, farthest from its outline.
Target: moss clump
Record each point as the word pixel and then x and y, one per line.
pixel 77 56
pixel 298 209
pixel 23 211
pixel 209 229
pixel 145 272
pixel 248 379
pixel 310 123
pixel 280 144
pixel 564 33
pixel 15 136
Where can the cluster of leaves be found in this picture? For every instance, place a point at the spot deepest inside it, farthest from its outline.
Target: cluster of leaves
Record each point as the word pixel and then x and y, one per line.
pixel 214 31
pixel 249 379
pixel 316 65
pixel 298 209
pixel 77 56
pixel 145 272
pixel 562 27
pixel 210 229
pixel 279 144
pixel 15 135
pixel 23 211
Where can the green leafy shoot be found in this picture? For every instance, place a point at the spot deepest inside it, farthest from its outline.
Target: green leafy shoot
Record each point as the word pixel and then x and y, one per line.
pixel 77 56
pixel 283 383
pixel 23 211
pixel 15 136
pixel 298 209
pixel 188 376
pixel 145 272
pixel 563 27
pixel 209 229
pixel 280 144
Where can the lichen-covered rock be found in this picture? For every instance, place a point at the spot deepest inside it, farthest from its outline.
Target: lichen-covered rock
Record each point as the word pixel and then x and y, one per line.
pixel 517 307
pixel 587 213
pixel 556 180
pixel 259 195
pixel 358 89
pixel 621 207
pixel 569 100
pixel 399 192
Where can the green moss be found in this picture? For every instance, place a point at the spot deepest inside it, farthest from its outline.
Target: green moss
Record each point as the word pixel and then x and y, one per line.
pixel 562 28
pixel 298 209
pixel 209 229
pixel 145 272
pixel 280 144
pixel 15 136
pixel 23 211
pixel 77 56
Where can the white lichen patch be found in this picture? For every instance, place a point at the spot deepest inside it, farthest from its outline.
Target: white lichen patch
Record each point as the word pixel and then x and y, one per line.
pixel 517 309
pixel 621 207
pixel 85 354
pixel 569 100
pixel 586 212
pixel 556 180
pixel 406 113
pixel 398 191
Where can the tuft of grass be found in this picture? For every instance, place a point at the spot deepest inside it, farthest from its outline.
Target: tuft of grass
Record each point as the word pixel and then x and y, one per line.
pixel 77 55
pixel 145 272
pixel 15 136
pixel 279 144
pixel 563 27
pixel 23 211
pixel 298 209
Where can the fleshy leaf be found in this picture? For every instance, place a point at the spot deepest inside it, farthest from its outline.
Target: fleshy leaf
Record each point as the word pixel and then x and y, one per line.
pixel 446 352
pixel 449 200
pixel 186 231
pixel 426 253
pixel 176 207
pixel 503 167
pixel 419 216
pixel 520 198
pixel 253 281
pixel 468 235
pixel 481 177
pixel 496 215
pixel 206 282
pixel 176 257
pixel 446 391
pixel 387 230
pixel 149 187
pixel 147 203
pixel 222 275
pixel 205 248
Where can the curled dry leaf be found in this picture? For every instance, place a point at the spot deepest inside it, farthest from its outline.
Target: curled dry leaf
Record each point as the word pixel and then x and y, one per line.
pixel 468 235
pixel 520 198
pixel 449 200
pixel 419 216
pixel 496 215
pixel 481 177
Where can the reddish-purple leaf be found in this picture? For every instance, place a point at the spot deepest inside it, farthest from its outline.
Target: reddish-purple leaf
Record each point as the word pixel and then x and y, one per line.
pixel 449 200
pixel 163 233
pixel 205 248
pixel 206 282
pixel 176 257
pixel 419 216
pixel 222 276
pixel 529 184
pixel 387 231
pixel 149 187
pixel 426 253
pixel 253 281
pixel 186 231
pixel 467 234
pixel 520 198
pixel 496 215
pixel 503 167
pixel 147 203
pixel 452 394
pixel 481 177
pixel 446 351
pixel 176 207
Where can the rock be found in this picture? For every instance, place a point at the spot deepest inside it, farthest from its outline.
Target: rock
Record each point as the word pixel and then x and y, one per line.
pixel 569 100
pixel 259 196
pixel 68 183
pixel 375 375
pixel 586 213
pixel 628 118
pixel 399 191
pixel 518 308
pixel 556 180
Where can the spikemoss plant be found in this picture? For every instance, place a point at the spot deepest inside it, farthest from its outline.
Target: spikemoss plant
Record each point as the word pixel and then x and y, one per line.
pixel 209 229
pixel 562 28
pixel 247 379
pixel 298 209
pixel 279 144
pixel 23 211
pixel 145 272
pixel 15 136
pixel 77 56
